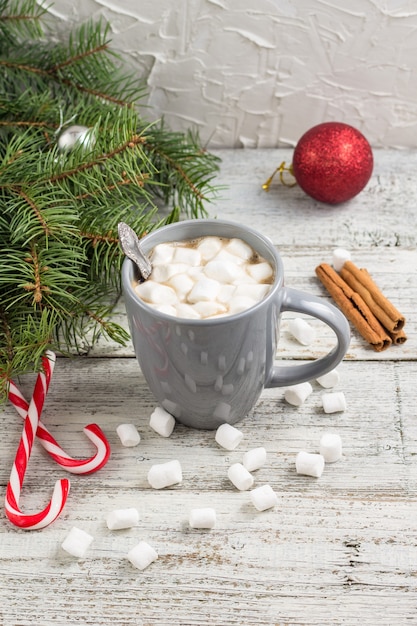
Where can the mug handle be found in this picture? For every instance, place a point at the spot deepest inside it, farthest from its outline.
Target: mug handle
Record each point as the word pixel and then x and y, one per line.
pixel 298 301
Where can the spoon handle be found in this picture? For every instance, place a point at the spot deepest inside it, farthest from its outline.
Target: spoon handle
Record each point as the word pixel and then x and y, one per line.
pixel 131 247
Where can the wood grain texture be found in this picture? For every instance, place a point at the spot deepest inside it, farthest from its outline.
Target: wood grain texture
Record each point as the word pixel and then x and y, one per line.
pixel 336 550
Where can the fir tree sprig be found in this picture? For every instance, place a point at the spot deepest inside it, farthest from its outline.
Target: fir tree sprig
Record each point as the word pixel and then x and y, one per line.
pixel 60 257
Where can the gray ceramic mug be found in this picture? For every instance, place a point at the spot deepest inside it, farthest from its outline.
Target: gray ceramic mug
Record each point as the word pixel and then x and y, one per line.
pixel 212 371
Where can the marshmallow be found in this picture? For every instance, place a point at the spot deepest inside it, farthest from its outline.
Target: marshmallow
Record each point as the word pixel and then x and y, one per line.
pixel 196 273
pixel 205 289
pixel 240 477
pixel 209 309
pixel 162 254
pixel 331 447
pixel 254 459
pixel 128 435
pixel 189 256
pixel 142 555
pixel 334 402
pixel 162 422
pixel 229 437
pixel 239 248
pixel 151 291
pixel 263 497
pixel 122 518
pixel 224 271
pixel 309 464
pixel 162 273
pixel 255 291
pixel 330 379
pixel 226 293
pixel 240 303
pixel 225 257
pixel 340 256
pixel 168 309
pixel 260 271
pixel 209 247
pixel 302 331
pixel 182 283
pixel 202 518
pixel 297 394
pixel 186 311
pixel 165 474
pixel 77 542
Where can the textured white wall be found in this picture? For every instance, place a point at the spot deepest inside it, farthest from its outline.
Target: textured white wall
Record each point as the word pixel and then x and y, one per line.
pixel 259 73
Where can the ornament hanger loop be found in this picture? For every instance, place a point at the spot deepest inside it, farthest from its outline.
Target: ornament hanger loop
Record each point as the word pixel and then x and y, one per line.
pixel 281 169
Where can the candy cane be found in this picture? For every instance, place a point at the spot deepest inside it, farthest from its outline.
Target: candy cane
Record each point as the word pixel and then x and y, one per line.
pixel 75 466
pixel 14 487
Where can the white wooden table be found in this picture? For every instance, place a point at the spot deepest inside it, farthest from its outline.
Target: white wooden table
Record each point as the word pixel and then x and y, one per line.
pixel 341 549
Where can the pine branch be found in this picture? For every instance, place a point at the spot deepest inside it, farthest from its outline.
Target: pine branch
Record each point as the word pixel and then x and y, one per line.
pixel 20 18
pixel 60 258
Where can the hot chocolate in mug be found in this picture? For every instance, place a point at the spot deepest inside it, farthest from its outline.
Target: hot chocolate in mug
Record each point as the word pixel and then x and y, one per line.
pixel 206 372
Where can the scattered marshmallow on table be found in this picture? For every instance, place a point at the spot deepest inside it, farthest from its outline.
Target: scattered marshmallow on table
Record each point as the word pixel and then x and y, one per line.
pixel 202 518
pixel 128 435
pixel 298 394
pixel 340 256
pixel 254 459
pixel 142 555
pixel 165 474
pixel 77 542
pixel 263 497
pixel 302 331
pixel 331 447
pixel 334 402
pixel 330 379
pixel 229 437
pixel 309 464
pixel 240 477
pixel 122 518
pixel 162 422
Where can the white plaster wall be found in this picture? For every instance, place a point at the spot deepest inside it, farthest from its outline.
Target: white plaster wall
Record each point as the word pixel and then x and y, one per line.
pixel 259 73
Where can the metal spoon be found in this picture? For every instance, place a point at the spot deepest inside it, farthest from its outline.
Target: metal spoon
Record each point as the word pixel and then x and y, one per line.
pixel 131 247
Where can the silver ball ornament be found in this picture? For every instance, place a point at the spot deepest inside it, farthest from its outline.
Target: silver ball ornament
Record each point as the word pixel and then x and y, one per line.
pixel 74 136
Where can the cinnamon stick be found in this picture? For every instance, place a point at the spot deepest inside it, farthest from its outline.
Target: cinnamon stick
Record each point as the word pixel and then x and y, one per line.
pixel 361 282
pixel 354 307
pixel 399 337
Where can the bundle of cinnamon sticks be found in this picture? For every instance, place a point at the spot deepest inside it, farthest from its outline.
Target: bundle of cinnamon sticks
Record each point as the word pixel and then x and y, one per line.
pixel 365 306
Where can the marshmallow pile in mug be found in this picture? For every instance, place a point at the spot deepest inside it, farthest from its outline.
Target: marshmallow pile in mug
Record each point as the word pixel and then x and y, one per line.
pixel 205 278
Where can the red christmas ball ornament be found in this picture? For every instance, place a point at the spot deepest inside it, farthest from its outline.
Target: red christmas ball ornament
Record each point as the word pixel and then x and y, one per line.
pixel 332 162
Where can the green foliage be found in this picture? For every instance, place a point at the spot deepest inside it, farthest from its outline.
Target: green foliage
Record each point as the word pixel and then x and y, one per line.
pixel 60 257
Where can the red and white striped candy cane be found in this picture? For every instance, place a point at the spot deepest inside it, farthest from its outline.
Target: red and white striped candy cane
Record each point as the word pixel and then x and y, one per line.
pixel 14 487
pixel 75 466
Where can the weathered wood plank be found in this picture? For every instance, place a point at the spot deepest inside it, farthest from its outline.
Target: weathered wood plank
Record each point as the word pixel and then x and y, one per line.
pixel 336 550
